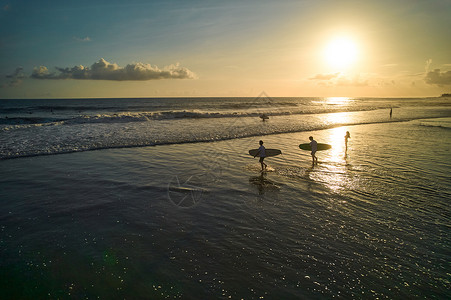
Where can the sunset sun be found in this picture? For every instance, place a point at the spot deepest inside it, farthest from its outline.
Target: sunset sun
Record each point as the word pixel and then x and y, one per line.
pixel 341 52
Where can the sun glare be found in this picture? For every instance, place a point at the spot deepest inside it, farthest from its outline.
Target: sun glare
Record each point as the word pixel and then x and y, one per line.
pixel 341 52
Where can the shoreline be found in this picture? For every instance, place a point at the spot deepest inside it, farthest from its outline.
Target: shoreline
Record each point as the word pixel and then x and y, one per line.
pixel 218 140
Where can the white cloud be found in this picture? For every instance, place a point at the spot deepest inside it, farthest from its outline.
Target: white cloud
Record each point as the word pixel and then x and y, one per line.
pixel 428 64
pixel 103 70
pixel 325 76
pixel 342 81
pixel 390 65
pixel 85 39
pixel 334 79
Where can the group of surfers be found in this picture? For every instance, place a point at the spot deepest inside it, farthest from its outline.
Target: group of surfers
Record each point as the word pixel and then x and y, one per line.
pixel 313 145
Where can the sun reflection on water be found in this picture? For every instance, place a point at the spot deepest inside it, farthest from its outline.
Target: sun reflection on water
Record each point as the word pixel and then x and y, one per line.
pixel 338 118
pixel 335 160
pixel 337 141
pixel 338 100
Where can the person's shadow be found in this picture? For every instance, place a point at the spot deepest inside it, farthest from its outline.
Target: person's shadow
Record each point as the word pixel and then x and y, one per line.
pixel 263 184
pixel 267 191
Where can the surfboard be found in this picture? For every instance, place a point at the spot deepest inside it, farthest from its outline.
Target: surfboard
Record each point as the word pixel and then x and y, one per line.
pixel 320 146
pixel 269 152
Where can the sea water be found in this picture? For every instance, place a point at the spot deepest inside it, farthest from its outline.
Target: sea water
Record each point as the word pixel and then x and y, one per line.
pixel 53 126
pixel 157 215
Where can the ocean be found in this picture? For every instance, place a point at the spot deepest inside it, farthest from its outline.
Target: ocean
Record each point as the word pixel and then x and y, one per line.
pixel 159 199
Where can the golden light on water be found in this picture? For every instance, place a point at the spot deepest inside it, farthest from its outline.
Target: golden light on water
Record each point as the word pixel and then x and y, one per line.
pixel 338 118
pixel 338 100
pixel 336 157
pixel 337 139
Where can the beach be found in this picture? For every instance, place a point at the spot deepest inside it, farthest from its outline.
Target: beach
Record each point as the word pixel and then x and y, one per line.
pixel 196 219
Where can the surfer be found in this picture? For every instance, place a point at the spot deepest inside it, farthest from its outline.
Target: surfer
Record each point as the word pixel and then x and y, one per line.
pixel 262 154
pixel 391 112
pixel 347 136
pixel 314 146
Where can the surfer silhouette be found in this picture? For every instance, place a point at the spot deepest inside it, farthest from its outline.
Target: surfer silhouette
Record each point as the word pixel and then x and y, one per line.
pixel 262 154
pixel 314 146
pixel 391 112
pixel 347 136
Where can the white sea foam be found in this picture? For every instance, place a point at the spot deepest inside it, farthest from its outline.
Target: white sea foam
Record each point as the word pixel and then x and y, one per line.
pixel 71 131
pixel 444 123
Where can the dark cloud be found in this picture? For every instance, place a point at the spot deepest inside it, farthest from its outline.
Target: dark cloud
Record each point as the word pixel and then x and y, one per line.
pixel 438 78
pixel 325 76
pixel 103 70
pixel 16 78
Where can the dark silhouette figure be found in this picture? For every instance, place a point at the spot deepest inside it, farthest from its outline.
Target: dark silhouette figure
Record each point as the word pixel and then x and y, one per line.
pixel 264 117
pixel 262 154
pixel 314 147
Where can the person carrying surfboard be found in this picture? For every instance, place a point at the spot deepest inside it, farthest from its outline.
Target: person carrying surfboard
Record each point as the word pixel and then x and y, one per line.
pixel 314 146
pixel 262 154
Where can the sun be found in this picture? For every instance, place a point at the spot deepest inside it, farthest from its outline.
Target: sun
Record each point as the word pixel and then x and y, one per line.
pixel 341 52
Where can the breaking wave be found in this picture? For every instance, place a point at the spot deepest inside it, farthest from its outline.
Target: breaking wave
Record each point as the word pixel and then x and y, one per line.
pixel 44 129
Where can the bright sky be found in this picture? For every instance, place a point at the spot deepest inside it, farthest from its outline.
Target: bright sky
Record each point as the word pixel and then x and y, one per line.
pixel 164 48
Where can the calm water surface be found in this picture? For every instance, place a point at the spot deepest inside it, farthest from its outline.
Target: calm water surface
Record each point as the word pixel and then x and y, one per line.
pixel 199 221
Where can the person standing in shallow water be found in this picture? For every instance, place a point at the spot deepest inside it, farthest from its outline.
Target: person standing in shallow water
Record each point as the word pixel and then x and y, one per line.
pixel 347 136
pixel 314 147
pixel 262 154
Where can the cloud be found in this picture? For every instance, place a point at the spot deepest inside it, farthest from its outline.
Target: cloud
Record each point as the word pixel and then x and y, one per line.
pixel 85 39
pixel 334 79
pixel 325 76
pixel 342 81
pixel 42 73
pixel 438 78
pixel 390 65
pixel 16 78
pixel 428 65
pixel 103 70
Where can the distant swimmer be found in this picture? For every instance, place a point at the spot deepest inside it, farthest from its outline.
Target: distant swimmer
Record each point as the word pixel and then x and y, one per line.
pixel 347 136
pixel 262 154
pixel 264 117
pixel 314 146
